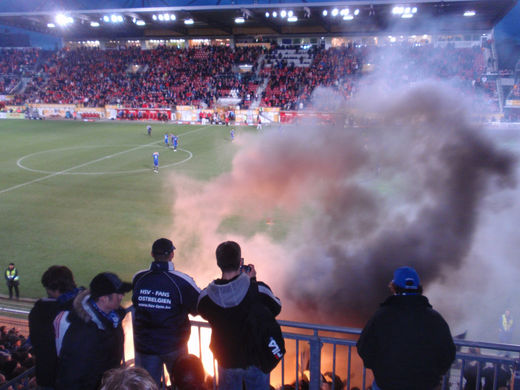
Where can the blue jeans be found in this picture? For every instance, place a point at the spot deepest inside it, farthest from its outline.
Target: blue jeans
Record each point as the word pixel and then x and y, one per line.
pixel 233 378
pixel 154 363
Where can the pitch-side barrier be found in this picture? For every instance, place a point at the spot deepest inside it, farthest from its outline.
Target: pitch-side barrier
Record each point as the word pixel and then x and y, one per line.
pixel 320 356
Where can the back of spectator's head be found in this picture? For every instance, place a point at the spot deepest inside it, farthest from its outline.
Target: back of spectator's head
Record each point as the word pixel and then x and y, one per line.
pixel 162 249
pixel 128 378
pixel 188 373
pixel 406 281
pixel 58 277
pixel 228 256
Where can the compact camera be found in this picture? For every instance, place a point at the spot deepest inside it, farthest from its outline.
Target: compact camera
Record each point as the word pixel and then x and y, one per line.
pixel 245 268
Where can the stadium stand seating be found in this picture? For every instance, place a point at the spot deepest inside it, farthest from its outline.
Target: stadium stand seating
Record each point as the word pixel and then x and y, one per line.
pixel 283 76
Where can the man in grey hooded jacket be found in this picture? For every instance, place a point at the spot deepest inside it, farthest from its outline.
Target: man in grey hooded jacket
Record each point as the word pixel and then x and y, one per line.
pixel 225 303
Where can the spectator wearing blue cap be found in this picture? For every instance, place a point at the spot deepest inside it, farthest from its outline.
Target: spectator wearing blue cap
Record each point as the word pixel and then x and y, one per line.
pixel 406 344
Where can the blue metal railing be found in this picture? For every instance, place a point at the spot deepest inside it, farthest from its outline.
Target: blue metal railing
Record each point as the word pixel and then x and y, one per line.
pixel 319 353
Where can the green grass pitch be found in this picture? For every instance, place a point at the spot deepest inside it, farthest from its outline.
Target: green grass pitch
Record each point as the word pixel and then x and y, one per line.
pixel 83 194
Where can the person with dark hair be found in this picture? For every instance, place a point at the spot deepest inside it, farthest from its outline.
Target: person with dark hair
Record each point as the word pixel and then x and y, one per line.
pixel 225 304
pixel 128 378
pixel 406 344
pixel 61 289
pixel 90 338
pixel 162 297
pixel 12 279
pixel 189 373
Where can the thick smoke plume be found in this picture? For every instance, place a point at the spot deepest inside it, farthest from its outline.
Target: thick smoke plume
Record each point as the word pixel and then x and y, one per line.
pixel 403 186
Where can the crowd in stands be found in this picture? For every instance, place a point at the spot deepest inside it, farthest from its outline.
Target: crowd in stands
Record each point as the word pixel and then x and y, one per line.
pixel 15 355
pixel 14 63
pixel 279 77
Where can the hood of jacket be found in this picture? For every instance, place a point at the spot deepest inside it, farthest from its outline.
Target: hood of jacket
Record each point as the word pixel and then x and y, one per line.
pixel 85 311
pixel 231 293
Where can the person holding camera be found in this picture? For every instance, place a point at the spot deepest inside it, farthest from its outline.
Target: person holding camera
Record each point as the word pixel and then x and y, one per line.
pixel 225 304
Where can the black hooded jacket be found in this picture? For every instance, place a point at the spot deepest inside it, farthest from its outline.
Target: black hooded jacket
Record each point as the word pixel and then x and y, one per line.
pixel 225 304
pixel 407 344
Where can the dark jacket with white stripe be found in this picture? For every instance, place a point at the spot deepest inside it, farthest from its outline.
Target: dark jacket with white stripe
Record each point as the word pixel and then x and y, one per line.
pixel 162 299
pixel 225 304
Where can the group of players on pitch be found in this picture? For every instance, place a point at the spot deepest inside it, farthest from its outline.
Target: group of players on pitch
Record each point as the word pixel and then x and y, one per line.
pixel 170 141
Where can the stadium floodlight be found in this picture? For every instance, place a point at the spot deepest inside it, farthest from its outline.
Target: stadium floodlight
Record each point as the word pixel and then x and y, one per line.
pixel 407 16
pixel 167 17
pixel 414 10
pixel 119 19
pixel 94 24
pixel 283 14
pixel 275 14
pixel 154 17
pixel 189 21
pixel 140 22
pixel 239 20
pixel 106 18
pixel 173 17
pixel 335 12
pixel 161 17
pixel 356 12
pixel 62 20
pixel 51 25
pixel 470 13
pixel 325 12
pixel 290 14
pixel 267 14
pixel 348 17
pixel 292 19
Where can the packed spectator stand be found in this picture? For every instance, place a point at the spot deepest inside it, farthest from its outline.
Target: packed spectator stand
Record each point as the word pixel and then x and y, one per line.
pixel 278 76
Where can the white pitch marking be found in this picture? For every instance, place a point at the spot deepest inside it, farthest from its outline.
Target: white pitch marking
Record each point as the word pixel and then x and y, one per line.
pixel 85 164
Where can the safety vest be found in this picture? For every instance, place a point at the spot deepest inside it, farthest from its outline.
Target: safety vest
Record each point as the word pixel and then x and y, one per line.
pixel 507 324
pixel 11 274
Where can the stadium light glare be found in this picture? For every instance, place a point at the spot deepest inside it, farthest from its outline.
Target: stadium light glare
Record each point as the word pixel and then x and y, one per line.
pixel 62 20
pixel 167 17
pixel 106 19
pixel 283 14
pixel 356 12
pixel 469 13
pixel 140 23
pixel 51 25
pixel 325 12
pixel 407 16
pixel 414 10
pixel 290 14
pixel 154 17
pixel 94 24
pixel 161 17
pixel 267 14
pixel 275 14
pixel 292 19
pixel 348 17
pixel 119 18
pixel 188 21
pixel 173 17
pixel 239 20
pixel 335 12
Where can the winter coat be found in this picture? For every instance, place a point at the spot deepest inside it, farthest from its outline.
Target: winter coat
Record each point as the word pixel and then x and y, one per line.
pixel 41 335
pixel 87 345
pixel 407 344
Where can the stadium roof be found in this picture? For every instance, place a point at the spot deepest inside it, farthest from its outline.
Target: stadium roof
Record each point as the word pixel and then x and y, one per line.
pixel 111 19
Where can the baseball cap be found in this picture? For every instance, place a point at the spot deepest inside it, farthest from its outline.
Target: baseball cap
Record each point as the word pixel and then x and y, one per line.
pixel 107 283
pixel 407 278
pixel 162 246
